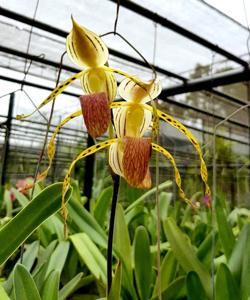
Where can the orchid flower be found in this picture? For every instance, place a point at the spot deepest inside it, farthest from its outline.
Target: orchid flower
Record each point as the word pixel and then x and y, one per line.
pixel 88 51
pixel 130 150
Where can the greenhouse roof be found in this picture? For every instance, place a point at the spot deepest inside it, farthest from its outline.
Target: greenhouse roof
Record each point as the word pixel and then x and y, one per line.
pixel 193 46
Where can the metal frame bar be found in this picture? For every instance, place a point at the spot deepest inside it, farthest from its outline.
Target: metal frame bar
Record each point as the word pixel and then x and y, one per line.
pixel 6 146
pixel 154 17
pixel 76 95
pixel 72 69
pixel 206 83
pixel 61 33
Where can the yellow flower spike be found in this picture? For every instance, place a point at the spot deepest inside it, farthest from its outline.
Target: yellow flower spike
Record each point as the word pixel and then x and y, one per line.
pixel 85 48
pixel 57 91
pixel 177 173
pixel 175 123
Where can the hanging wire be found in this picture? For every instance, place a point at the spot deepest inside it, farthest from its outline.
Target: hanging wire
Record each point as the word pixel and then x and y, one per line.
pixel 157 175
pixel 26 69
pixel 247 23
pixel 117 15
pixel 48 127
pixel 114 32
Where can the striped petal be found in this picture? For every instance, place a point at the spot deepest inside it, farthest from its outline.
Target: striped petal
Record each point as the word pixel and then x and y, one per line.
pixel 97 80
pixel 115 158
pixel 141 92
pixel 132 121
pixel 96 113
pixel 85 48
pixel 136 155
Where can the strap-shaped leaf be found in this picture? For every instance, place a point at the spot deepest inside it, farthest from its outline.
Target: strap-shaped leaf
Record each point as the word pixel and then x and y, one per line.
pixel 24 285
pixel 143 263
pixel 45 204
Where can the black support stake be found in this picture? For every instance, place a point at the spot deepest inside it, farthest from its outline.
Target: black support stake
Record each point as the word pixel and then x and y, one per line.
pixel 89 173
pixel 6 146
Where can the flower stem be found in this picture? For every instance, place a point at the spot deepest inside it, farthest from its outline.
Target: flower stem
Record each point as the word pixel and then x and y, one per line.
pixel 116 184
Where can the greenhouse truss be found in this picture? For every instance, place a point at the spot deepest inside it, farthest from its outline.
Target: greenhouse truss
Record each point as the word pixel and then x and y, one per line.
pixel 162 87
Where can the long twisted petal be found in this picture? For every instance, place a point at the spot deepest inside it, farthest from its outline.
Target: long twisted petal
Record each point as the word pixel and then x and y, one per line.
pixel 89 151
pixel 175 123
pixel 57 91
pixel 177 173
pixel 51 148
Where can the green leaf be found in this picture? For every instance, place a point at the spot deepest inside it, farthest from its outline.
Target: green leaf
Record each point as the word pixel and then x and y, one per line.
pixel 8 203
pixel 185 254
pixel 82 220
pixel 58 258
pixel 103 205
pixel 195 290
pixel 23 200
pixel 51 286
pixel 3 294
pixel 70 287
pixel 134 214
pixel 168 270
pixel 205 250
pixel 141 199
pixel 224 229
pixel 116 284
pixel 164 199
pixel 122 248
pixel 24 285
pixel 176 290
pixel 143 263
pixel 121 238
pixel 29 218
pixel 225 286
pixel 236 260
pixel 29 257
pixel 90 255
pixel 245 274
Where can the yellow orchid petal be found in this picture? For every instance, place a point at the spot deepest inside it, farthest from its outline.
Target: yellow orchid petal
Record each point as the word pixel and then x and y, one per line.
pixel 57 91
pixel 51 148
pixel 177 174
pixel 97 80
pixel 175 123
pixel 89 151
pixel 119 119
pixel 115 158
pixel 136 155
pixel 85 48
pixel 131 120
pixel 139 93
pixel 96 113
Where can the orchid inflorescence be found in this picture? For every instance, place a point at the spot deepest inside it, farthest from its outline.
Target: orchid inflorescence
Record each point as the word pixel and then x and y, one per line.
pixel 129 148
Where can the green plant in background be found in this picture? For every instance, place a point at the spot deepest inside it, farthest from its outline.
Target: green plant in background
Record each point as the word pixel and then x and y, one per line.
pixel 195 249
